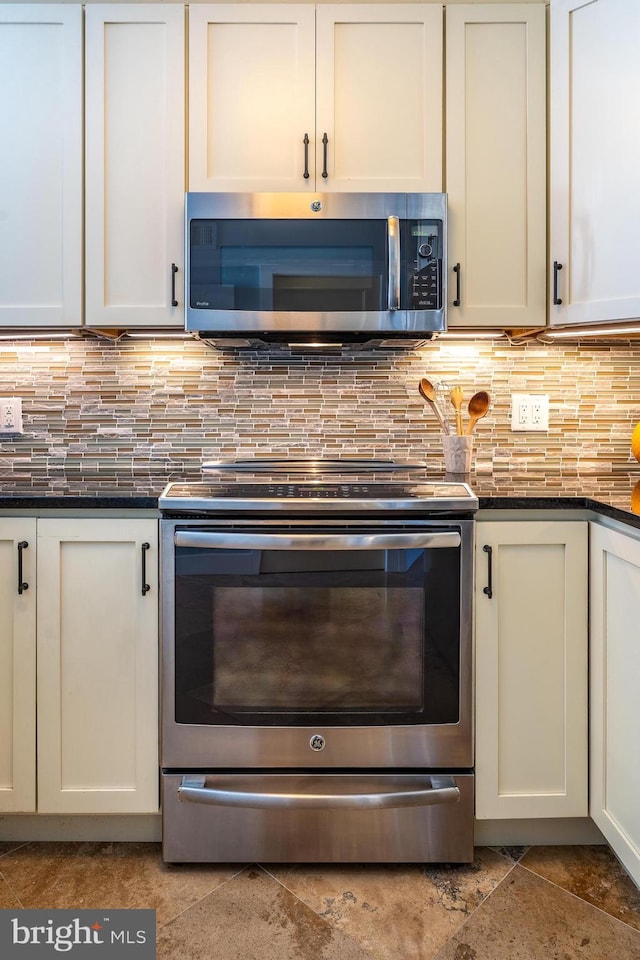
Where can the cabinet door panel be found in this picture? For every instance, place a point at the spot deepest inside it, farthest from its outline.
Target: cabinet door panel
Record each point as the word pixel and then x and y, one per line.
pixel 595 154
pixel 17 668
pixel 40 164
pixel 531 671
pixel 615 692
pixel 379 97
pixel 251 96
pixel 97 667
pixel 495 163
pixel 135 175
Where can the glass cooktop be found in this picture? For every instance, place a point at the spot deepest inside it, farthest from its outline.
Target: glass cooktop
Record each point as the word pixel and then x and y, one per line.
pixel 319 485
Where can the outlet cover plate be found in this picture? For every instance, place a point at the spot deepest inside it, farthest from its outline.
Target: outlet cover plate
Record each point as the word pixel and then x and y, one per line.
pixel 10 416
pixel 529 412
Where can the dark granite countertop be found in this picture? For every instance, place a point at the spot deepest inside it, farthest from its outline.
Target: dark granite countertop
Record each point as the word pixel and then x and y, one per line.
pixel 615 495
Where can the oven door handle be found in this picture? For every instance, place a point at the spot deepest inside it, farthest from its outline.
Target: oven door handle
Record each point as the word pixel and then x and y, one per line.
pixel 425 791
pixel 316 541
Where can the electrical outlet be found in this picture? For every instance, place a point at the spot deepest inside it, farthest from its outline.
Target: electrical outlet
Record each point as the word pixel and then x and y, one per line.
pixel 529 412
pixel 10 415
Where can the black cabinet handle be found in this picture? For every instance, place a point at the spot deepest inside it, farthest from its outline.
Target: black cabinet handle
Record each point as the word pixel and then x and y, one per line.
pixel 325 141
pixel 557 267
pixel 489 587
pixel 306 156
pixel 145 585
pixel 174 270
pixel 22 586
pixel 456 270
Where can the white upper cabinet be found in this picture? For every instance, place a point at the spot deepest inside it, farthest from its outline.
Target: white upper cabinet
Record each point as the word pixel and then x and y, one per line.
pixel 496 164
pixel 362 83
pixel 135 169
pixel 379 97
pixel 595 158
pixel 251 96
pixel 40 165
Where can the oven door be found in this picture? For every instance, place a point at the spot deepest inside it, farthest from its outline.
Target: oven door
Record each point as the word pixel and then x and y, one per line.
pixel 316 646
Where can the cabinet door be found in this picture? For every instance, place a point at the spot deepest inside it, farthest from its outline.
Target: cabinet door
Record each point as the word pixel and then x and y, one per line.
pixel 595 157
pixel 40 164
pixel 135 168
pixel 531 670
pixel 251 96
pixel 615 692
pixel 97 666
pixel 496 164
pixel 17 667
pixel 379 97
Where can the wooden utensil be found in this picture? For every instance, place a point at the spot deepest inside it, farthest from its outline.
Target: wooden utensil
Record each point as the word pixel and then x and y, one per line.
pixel 428 393
pixel 478 408
pixel 456 400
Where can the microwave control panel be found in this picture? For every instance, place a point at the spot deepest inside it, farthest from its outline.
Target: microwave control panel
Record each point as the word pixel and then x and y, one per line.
pixel 424 274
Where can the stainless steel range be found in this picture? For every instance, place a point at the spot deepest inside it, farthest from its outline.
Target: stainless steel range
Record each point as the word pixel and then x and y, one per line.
pixel 316 688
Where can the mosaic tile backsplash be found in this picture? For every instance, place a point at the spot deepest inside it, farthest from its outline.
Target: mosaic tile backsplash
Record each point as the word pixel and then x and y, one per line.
pixel 136 411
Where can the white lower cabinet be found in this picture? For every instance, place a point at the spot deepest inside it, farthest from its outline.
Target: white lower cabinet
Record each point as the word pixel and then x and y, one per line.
pixel 97 677
pixel 83 609
pixel 17 665
pixel 615 691
pixel 531 647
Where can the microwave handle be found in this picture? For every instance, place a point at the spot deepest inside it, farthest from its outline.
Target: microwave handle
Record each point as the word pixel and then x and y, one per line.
pixel 319 541
pixel 393 236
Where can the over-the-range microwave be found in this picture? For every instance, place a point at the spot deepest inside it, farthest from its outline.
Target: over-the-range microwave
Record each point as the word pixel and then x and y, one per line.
pixel 304 268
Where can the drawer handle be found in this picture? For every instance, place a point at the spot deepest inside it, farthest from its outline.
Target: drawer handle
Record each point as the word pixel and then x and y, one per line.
pixel 434 790
pixel 489 587
pixel 22 586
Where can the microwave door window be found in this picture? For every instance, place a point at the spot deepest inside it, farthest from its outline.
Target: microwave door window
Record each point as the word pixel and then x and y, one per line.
pixel 289 265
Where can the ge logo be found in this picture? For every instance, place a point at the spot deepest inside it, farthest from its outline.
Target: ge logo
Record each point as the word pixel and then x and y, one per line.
pixel 316 742
pixel 316 206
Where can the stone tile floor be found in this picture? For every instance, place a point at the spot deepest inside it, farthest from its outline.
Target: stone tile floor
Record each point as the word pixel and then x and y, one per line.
pixel 538 903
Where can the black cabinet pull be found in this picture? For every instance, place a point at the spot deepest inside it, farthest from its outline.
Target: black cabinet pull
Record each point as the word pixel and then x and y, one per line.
pixel 174 270
pixel 325 141
pixel 306 156
pixel 145 585
pixel 22 586
pixel 489 587
pixel 557 267
pixel 456 270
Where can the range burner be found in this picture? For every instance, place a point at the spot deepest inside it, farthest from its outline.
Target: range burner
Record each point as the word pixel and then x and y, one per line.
pixel 279 485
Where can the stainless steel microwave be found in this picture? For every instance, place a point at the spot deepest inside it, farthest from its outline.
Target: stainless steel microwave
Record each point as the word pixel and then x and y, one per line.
pixel 332 267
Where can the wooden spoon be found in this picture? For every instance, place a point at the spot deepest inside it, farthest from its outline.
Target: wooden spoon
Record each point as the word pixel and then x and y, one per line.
pixel 428 393
pixel 456 400
pixel 478 408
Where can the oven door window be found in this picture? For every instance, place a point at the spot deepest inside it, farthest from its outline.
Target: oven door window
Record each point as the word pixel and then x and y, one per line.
pixel 283 637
